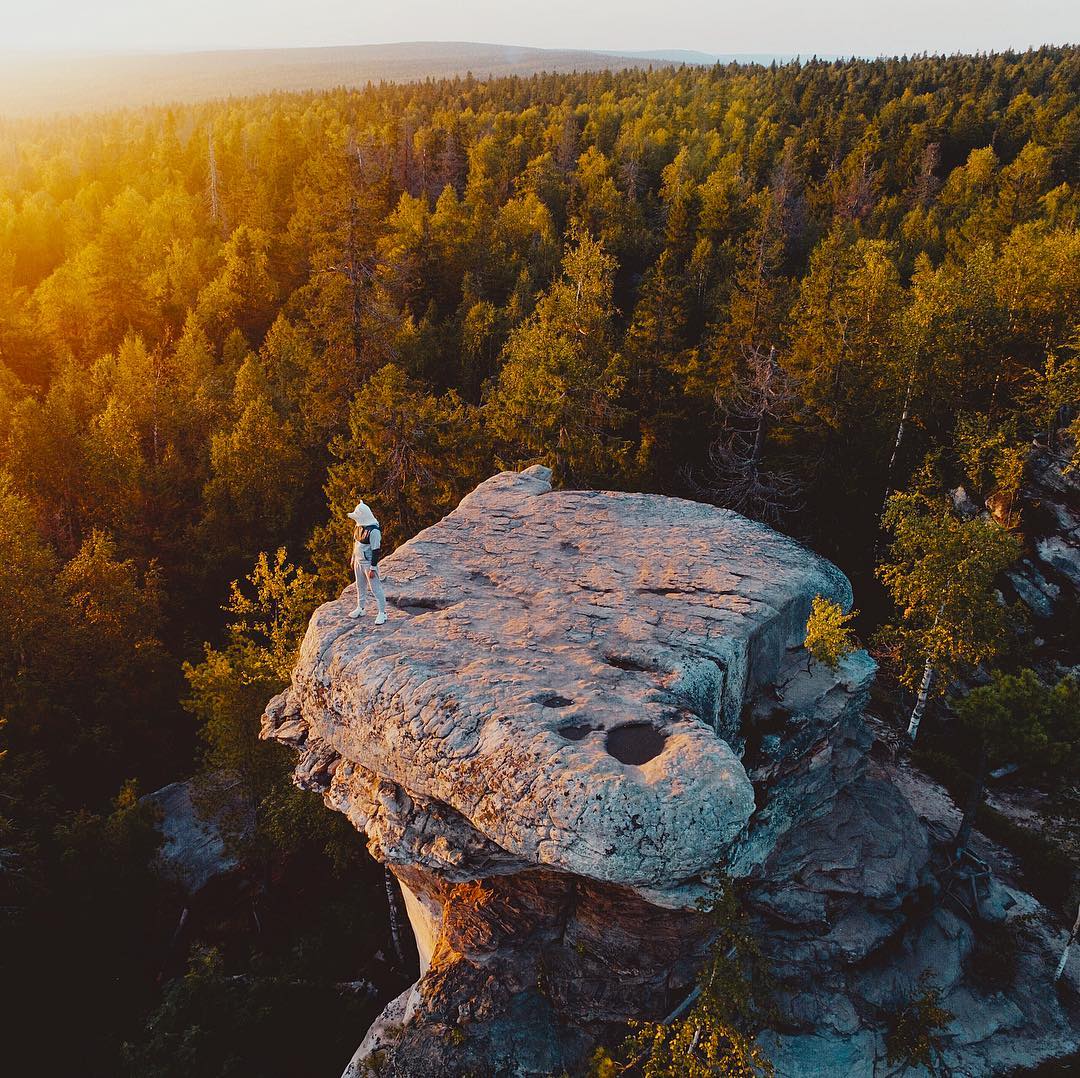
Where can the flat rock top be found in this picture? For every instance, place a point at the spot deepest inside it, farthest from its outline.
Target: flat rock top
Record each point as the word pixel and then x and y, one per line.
pixel 564 669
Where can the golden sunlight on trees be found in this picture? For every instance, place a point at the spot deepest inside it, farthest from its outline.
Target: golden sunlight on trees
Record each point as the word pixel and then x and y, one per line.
pixel 829 635
pixel 780 289
pixel 555 398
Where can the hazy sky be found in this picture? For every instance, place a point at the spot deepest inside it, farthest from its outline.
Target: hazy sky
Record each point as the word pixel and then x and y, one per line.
pixel 775 26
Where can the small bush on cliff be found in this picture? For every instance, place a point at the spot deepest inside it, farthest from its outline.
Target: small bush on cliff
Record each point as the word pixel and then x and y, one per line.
pixel 829 636
pixel 914 1036
pixel 712 1034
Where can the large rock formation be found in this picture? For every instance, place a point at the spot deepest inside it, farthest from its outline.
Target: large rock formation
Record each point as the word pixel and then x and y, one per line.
pixel 584 704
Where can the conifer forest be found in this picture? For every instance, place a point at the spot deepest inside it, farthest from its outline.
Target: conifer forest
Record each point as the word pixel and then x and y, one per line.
pixel 825 294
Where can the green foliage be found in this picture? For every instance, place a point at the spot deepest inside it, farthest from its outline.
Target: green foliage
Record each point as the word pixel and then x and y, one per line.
pixel 556 393
pixel 940 572
pixel 212 1023
pixel 274 615
pixel 78 890
pixel 1053 390
pixel 914 1037
pixel 1019 718
pixel 716 1036
pixel 408 452
pixel 829 636
pixel 245 784
pixel 27 598
pixel 1074 438
pixel 255 469
pixel 992 460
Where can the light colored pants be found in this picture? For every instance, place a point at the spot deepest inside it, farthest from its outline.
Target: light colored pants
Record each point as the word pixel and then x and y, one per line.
pixel 367 577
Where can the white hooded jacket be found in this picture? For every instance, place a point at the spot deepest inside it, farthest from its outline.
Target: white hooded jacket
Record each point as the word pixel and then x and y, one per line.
pixel 367 537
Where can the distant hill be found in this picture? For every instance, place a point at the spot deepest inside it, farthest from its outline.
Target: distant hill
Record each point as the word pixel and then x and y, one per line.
pixel 690 56
pixel 39 85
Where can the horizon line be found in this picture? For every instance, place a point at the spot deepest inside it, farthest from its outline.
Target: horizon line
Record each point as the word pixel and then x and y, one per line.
pixel 630 53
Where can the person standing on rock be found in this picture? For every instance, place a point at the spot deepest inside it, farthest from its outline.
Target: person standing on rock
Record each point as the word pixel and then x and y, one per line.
pixel 367 544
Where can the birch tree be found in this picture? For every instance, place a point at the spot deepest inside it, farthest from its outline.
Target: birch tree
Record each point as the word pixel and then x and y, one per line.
pixel 940 572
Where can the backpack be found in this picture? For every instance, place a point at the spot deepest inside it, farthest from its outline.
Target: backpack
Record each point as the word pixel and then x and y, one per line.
pixel 364 536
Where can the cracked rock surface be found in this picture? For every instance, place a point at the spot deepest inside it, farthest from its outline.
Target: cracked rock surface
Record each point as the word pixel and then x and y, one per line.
pixel 557 685
pixel 544 743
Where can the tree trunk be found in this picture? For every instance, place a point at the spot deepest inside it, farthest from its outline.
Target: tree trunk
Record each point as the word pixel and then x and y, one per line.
pixel 759 441
pixel 975 799
pixel 920 703
pixel 391 902
pixel 900 430
pixel 1068 943
pixel 562 457
pixel 215 203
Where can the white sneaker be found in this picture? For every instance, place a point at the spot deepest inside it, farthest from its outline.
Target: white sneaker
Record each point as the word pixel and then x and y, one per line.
pixel 381 619
pixel 359 612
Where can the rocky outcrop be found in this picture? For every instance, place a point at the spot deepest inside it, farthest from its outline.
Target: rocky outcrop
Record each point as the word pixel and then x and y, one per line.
pixel 583 705
pixel 1047 578
pixel 848 900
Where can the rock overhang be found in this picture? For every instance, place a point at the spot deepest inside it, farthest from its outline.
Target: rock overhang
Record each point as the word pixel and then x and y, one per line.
pixel 565 671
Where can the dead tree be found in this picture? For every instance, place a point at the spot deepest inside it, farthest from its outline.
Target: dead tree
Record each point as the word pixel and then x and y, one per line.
pixel 739 476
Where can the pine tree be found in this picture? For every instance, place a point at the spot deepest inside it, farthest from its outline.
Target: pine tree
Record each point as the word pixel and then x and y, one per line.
pixel 557 390
pixel 1018 719
pixel 409 453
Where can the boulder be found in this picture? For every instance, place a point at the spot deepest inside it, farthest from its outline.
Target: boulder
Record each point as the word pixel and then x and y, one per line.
pixel 559 684
pixel 193 852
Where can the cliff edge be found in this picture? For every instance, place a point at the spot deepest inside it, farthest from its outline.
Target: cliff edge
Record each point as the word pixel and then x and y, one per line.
pixel 582 706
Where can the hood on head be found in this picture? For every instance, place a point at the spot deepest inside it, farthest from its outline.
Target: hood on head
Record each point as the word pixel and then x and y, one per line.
pixel 363 515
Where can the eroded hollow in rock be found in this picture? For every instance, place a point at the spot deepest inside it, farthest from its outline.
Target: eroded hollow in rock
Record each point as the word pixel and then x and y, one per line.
pixel 421 604
pixel 625 662
pixel 551 699
pixel 635 743
pixel 575 731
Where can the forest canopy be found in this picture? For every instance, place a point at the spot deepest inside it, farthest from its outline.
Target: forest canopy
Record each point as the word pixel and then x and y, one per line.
pixel 776 288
